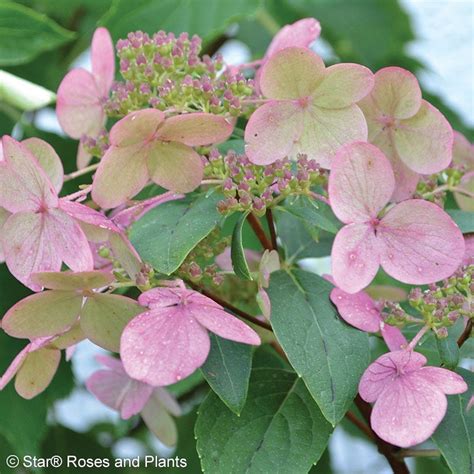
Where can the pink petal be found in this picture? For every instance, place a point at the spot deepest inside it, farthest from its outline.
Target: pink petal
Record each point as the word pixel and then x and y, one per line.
pixel 161 347
pixel 23 183
pixel 381 373
pixel 159 422
pixel 300 34
pixel 195 129
pixel 83 158
pixel 343 85
pixel 424 142
pixel 103 60
pixel 36 372
pixel 393 337
pixel 167 400
pixel 110 362
pixel 136 127
pixel 419 243
pixel 224 259
pixel 358 309
pixel 88 215
pixel 163 297
pixel 119 392
pixel 47 159
pixel 292 73
pixel 355 257
pixel 28 247
pixel 78 105
pixel 69 241
pixel 272 131
pixel 463 151
pixel 396 93
pixel 14 367
pixel 408 412
pixel 4 215
pixel 175 166
pixel 354 182
pixel 445 380
pixel 122 174
pixel 223 324
pixel 468 253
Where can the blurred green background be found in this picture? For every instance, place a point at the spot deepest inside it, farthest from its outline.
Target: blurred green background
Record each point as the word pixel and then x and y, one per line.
pixel 40 39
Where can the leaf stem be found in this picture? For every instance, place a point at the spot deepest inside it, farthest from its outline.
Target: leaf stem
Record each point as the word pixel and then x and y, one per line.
pixel 466 334
pixel 419 453
pixel 360 424
pixel 389 451
pixel 259 232
pixel 230 307
pixel 81 172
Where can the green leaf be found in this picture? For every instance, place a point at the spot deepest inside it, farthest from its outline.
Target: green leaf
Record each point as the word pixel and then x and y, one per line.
pixel 448 352
pixel 166 234
pixel 104 317
pixel 206 20
pixel 455 435
pixel 464 219
pixel 227 370
pixel 280 429
pixel 23 94
pixel 328 354
pixel 239 262
pixel 313 213
pixel 24 34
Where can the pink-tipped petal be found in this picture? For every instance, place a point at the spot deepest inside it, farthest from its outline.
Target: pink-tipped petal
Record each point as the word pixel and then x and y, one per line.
pixel 167 400
pixel 136 127
pixel 4 215
pixel 424 142
pixel 28 248
pixel 69 241
pixel 465 202
pixel 355 257
pixel 223 324
pixel 292 73
pixel 161 347
pixel 195 129
pixel 71 281
pixel 446 380
pixel 393 337
pixel 48 159
pixel 419 243
pixel 396 93
pixel 355 192
pixel 78 105
pixel 358 309
pixel 121 175
pixel 14 367
pixel 299 34
pixel 88 215
pixel 343 85
pixel 103 60
pixel 175 166
pixel 23 183
pixel 163 297
pixel 159 422
pixel 36 372
pixel 272 131
pixel 83 158
pixel 111 363
pixel 463 151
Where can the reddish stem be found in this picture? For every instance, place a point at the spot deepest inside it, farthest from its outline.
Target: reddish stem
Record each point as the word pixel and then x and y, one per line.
pixel 466 334
pixel 271 226
pixel 259 232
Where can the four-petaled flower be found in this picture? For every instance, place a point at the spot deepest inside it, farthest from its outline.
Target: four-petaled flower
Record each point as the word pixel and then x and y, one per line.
pixel 114 388
pixel 312 109
pixel 410 399
pixel 415 241
pixel 412 133
pixel 170 341
pixel 145 145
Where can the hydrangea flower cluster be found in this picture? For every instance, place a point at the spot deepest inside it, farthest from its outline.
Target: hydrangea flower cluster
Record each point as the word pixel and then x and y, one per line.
pixel 366 144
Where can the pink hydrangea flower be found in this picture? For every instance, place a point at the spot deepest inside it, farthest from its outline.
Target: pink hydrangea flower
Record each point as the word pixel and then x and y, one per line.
pixel 415 241
pixel 412 133
pixel 170 340
pixel 463 155
pixel 43 230
pixel 81 94
pixel 311 109
pixel 364 313
pixel 114 388
pixel 36 364
pixel 145 145
pixel 410 399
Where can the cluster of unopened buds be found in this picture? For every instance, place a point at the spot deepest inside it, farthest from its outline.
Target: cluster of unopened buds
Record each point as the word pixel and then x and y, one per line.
pixel 247 186
pixel 167 73
pixel 362 143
